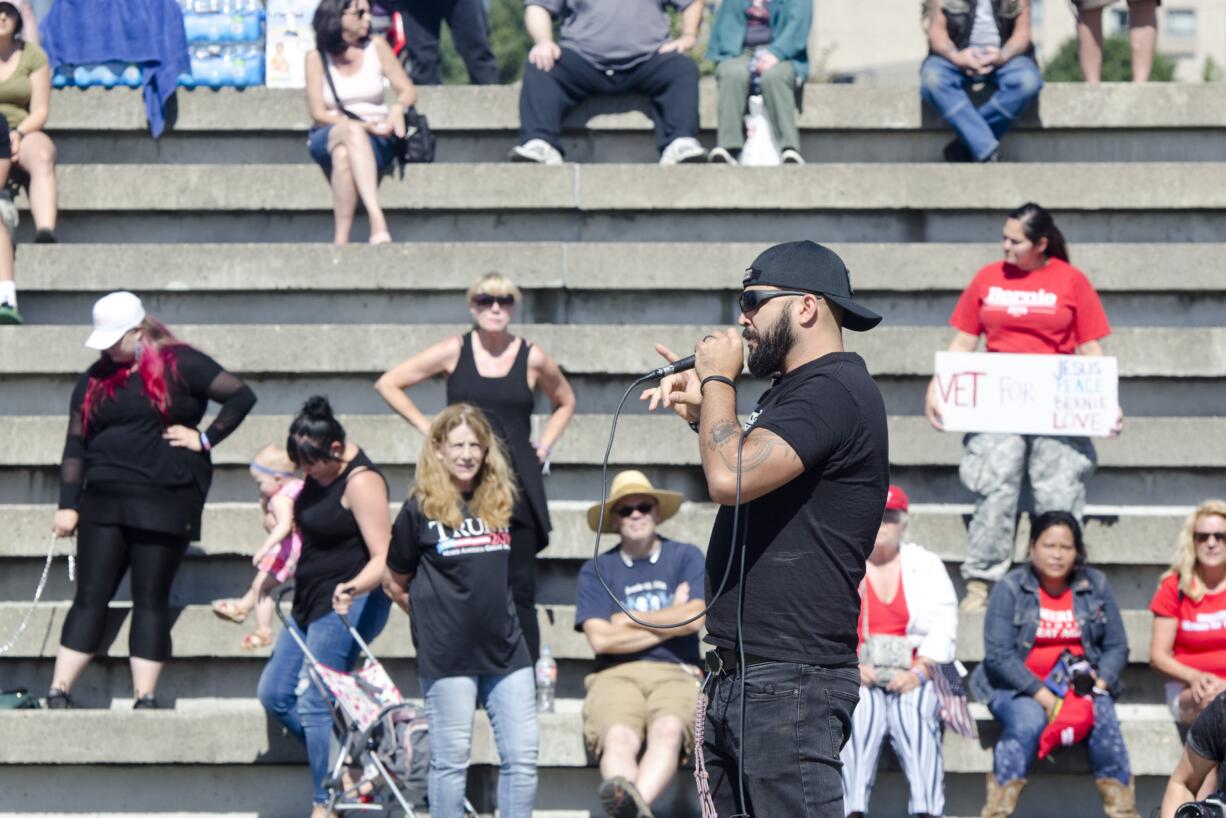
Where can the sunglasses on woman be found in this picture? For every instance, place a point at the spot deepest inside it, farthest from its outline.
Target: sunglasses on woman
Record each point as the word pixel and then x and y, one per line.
pixel 752 299
pixel 1203 537
pixel 486 300
pixel 642 508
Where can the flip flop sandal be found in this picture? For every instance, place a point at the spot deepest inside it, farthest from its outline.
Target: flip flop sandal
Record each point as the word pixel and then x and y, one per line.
pixel 228 609
pixel 255 641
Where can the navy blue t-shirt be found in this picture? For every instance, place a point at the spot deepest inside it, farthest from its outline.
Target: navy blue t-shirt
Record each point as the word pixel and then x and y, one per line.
pixel 646 585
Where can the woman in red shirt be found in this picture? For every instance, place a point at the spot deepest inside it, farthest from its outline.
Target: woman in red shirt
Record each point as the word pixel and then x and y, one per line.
pixel 1035 302
pixel 1188 643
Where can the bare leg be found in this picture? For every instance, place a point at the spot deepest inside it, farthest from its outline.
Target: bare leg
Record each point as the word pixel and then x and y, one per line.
pixel 1143 36
pixel 659 764
pixel 145 675
pixel 621 749
pixel 1090 44
pixel 344 194
pixel 37 158
pixel 365 176
pixel 6 241
pixel 262 588
pixel 68 666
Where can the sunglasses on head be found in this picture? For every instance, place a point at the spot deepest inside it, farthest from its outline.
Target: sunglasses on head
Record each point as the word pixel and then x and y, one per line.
pixel 644 507
pixel 752 299
pixel 1203 537
pixel 487 300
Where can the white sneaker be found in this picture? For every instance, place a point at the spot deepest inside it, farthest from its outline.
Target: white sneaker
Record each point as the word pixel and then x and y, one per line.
pixel 683 149
pixel 536 150
pixel 8 212
pixel 791 157
pixel 721 156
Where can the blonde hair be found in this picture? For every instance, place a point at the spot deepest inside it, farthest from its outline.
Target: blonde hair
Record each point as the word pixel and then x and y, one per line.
pixel 494 284
pixel 275 458
pixel 494 489
pixel 1183 563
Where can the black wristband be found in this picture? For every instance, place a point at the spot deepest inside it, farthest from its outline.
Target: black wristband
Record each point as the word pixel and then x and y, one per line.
pixel 718 378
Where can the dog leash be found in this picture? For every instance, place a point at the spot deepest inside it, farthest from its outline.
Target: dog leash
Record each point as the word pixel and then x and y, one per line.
pixel 38 593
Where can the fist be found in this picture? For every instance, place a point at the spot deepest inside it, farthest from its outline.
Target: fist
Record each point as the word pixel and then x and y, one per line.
pixel 722 353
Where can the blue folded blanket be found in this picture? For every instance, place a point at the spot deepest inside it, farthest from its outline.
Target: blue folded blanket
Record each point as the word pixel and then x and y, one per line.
pixel 146 32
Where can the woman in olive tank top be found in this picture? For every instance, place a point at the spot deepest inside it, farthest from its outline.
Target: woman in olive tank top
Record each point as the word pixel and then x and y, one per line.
pixel 498 373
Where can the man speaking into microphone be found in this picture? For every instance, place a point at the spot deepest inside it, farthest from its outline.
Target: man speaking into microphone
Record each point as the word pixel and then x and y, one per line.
pixel 814 475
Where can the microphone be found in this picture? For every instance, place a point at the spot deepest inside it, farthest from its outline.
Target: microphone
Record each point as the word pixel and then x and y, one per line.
pixel 679 365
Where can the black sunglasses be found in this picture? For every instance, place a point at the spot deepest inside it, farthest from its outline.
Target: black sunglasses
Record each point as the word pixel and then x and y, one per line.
pixel 1203 537
pixel 752 299
pixel 644 507
pixel 487 300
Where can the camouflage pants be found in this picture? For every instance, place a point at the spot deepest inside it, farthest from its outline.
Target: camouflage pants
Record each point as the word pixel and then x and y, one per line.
pixel 994 467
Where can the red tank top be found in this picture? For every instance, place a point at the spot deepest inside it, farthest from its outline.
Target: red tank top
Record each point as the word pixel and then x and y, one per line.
pixel 882 619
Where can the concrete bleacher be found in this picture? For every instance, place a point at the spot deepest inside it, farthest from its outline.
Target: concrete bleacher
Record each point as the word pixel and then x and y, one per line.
pixel 220 224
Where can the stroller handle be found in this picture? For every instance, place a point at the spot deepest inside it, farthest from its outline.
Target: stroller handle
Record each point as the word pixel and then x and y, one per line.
pixel 281 593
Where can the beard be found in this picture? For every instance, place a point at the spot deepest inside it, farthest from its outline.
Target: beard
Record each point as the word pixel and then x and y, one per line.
pixel 768 356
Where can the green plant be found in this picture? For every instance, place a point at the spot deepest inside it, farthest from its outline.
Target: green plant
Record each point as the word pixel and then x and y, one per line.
pixel 1117 63
pixel 508 40
pixel 1213 72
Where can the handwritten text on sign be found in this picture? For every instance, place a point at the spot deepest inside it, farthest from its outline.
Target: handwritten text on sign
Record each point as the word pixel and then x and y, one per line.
pixel 1071 395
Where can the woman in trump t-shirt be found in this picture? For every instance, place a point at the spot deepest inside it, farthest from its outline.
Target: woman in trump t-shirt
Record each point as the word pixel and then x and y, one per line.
pixel 1034 302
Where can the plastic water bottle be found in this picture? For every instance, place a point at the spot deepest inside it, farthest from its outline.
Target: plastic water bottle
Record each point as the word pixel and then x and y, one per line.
pixel 546 680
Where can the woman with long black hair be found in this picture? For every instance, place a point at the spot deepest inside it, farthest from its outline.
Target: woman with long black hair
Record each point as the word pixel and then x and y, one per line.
pixel 133 480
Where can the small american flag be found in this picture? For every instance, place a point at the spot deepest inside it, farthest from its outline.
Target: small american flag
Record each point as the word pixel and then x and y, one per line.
pixel 952 694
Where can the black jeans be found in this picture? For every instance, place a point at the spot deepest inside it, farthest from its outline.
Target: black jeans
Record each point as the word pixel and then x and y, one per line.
pixel 671 80
pixel 470 30
pixel 797 719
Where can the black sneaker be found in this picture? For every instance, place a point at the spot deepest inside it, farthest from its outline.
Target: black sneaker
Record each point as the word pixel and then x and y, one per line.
pixel 621 799
pixel 44 236
pixel 957 153
pixel 58 700
pixel 145 702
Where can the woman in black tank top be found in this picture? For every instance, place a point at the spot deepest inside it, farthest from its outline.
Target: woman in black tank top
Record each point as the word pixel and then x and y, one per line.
pixel 343 515
pixel 507 400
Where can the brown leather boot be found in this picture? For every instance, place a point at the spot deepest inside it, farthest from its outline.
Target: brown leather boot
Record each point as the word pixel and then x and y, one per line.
pixel 1002 798
pixel 1119 801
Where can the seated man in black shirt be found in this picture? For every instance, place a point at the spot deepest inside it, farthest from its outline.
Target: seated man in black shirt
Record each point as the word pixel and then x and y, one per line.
pixel 1200 773
pixel 813 481
pixel 646 680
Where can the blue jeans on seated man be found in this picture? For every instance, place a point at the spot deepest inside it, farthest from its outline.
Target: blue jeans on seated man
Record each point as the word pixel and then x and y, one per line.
pixel 946 88
pixel 510 702
pixel 306 715
pixel 1023 719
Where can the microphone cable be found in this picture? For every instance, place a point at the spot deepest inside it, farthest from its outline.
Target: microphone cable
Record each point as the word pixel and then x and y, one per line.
pixel 732 554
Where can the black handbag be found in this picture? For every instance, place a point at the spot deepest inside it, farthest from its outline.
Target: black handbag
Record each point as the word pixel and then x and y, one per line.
pixel 417 144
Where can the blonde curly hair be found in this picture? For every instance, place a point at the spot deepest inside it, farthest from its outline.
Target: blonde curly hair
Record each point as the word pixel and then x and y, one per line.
pixel 1183 563
pixel 494 488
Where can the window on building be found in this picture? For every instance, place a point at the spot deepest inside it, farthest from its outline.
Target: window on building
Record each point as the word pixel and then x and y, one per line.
pixel 1115 21
pixel 1036 15
pixel 1181 23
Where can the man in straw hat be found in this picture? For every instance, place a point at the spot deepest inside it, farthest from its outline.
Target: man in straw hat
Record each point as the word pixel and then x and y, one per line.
pixel 646 680
pixel 814 474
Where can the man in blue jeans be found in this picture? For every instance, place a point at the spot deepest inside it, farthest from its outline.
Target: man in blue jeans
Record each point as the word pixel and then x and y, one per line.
pixel 979 42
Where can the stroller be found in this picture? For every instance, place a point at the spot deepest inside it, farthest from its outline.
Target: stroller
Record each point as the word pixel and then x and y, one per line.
pixel 379 733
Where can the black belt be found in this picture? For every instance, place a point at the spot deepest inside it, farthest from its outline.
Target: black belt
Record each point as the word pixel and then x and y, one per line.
pixel 725 661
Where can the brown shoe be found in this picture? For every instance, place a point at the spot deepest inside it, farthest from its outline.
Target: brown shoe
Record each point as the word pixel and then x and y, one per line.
pixel 621 799
pixel 1002 798
pixel 976 599
pixel 1119 801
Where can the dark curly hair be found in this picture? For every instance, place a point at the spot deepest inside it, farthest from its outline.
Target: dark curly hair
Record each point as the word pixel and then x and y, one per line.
pixel 327 25
pixel 1051 519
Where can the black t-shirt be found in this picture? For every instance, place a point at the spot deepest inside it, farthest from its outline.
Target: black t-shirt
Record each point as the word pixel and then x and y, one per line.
pixel 809 539
pixel 463 618
pixel 1207 738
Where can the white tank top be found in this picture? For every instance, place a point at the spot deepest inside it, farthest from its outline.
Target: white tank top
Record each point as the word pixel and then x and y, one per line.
pixel 362 92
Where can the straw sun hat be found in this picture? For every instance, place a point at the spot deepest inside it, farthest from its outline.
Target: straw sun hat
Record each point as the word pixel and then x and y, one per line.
pixel 628 483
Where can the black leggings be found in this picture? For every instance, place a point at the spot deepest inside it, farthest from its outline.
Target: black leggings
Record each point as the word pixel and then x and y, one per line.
pixel 522 571
pixel 104 553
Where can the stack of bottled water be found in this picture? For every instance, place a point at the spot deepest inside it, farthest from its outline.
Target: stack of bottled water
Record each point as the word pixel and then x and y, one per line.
pixel 226 40
pixel 103 75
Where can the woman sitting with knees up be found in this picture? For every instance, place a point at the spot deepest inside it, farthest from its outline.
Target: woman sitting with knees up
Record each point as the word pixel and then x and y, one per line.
pixel 1052 612
pixel 354 137
pixel 908 626
pixel 449 566
pixel 1191 593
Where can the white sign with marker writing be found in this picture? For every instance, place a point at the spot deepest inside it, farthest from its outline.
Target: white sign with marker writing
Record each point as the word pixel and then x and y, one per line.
pixel 1069 395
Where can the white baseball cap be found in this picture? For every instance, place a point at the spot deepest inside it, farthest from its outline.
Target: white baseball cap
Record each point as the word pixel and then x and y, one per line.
pixel 114 315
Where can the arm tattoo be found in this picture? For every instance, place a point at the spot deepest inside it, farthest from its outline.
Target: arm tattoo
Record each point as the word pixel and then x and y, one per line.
pixel 757 451
pixel 721 433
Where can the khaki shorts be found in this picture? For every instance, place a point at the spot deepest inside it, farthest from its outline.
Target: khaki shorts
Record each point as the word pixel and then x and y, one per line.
pixel 636 694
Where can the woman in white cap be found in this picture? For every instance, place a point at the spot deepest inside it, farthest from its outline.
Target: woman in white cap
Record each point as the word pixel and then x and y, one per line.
pixel 133 480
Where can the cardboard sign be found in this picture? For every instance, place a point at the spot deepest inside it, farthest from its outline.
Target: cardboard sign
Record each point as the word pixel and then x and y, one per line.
pixel 1059 395
pixel 290 39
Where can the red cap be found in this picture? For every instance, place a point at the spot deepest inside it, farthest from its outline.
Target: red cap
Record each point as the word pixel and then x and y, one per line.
pixel 896 500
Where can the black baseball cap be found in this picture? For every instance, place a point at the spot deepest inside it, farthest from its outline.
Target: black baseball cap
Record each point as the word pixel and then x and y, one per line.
pixel 14 12
pixel 807 265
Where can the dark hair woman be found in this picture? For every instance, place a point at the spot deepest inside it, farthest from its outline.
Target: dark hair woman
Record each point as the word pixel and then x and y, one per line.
pixel 1032 301
pixel 499 374
pixel 343 516
pixel 1053 604
pixel 133 481
pixel 353 153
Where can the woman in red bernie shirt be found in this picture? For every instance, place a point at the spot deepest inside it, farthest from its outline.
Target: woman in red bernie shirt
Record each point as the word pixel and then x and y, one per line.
pixel 1188 642
pixel 1032 301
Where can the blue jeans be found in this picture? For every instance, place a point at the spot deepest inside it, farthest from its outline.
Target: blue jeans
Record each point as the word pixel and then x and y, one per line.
pixel 1024 719
pixel 510 701
pixel 306 715
pixel 797 719
pixel 946 88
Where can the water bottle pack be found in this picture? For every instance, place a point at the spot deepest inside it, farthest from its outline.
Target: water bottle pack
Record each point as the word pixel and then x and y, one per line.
pixel 226 39
pixel 225 66
pixel 101 75
pixel 223 21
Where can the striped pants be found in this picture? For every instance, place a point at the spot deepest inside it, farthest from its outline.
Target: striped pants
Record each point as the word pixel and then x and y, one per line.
pixel 912 720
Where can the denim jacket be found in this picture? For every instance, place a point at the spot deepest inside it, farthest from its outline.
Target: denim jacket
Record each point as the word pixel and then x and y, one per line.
pixel 1012 620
